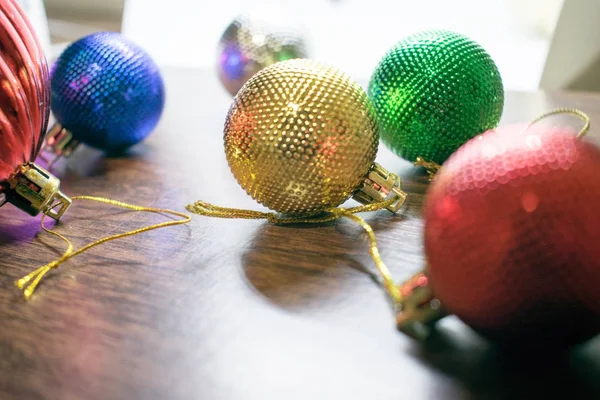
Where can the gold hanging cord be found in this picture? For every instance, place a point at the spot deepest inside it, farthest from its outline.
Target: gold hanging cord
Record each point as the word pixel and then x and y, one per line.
pixel 30 281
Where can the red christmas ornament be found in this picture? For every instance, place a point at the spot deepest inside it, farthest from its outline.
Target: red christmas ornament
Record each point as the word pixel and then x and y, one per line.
pixel 24 112
pixel 25 94
pixel 512 231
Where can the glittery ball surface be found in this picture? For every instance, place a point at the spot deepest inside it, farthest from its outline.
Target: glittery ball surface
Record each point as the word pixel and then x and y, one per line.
pixel 300 137
pixel 107 91
pixel 251 43
pixel 434 91
pixel 511 235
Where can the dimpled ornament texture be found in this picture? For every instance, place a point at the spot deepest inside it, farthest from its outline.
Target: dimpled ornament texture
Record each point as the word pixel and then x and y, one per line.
pixel 251 43
pixel 511 234
pixel 300 137
pixel 107 91
pixel 434 91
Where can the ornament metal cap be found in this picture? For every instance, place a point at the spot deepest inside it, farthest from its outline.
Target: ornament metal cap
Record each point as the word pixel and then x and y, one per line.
pixel 431 167
pixel 419 308
pixel 381 185
pixel 35 190
pixel 59 143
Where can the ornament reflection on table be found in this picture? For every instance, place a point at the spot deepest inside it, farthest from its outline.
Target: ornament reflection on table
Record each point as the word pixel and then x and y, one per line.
pixel 24 111
pixel 106 93
pixel 511 230
pixel 432 92
pixel 301 138
pixel 253 42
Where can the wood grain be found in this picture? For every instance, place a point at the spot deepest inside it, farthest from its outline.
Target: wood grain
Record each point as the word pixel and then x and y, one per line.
pixel 224 309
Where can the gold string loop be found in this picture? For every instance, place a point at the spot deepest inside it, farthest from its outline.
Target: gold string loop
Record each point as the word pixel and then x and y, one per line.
pixel 570 111
pixel 210 210
pixel 29 282
pixel 433 168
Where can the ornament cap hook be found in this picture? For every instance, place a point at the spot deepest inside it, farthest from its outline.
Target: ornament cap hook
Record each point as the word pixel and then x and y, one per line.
pixel 419 309
pixel 35 190
pixel 431 167
pixel 381 185
pixel 59 143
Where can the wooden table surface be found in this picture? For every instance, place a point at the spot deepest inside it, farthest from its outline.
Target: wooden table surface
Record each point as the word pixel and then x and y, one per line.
pixel 233 309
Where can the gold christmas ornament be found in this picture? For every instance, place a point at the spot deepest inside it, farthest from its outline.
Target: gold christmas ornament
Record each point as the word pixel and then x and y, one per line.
pixel 301 138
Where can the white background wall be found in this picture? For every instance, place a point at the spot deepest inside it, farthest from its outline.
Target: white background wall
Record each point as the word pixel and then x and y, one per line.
pixel 574 56
pixel 352 34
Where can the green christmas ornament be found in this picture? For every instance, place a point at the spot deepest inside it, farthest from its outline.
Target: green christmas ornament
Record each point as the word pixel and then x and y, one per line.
pixel 432 92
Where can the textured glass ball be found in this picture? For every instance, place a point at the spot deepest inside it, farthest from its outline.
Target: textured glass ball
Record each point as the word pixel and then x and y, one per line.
pixel 107 91
pixel 511 236
pixel 300 137
pixel 434 91
pixel 253 42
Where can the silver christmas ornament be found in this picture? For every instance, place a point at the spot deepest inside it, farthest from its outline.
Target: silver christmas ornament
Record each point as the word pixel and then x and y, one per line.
pixel 253 42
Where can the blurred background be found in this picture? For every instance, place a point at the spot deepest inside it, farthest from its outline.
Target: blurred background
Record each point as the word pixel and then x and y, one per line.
pixel 548 44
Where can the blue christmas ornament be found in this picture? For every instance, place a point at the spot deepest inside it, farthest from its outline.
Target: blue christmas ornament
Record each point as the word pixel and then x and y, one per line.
pixel 106 92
